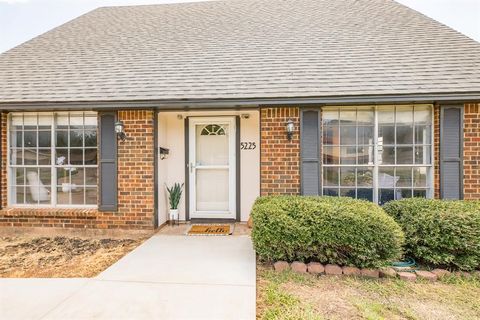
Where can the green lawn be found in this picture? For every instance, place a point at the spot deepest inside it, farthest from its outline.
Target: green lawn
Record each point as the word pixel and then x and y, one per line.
pixel 292 296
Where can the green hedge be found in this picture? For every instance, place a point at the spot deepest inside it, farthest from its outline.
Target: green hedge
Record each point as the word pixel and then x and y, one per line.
pixel 336 230
pixel 439 232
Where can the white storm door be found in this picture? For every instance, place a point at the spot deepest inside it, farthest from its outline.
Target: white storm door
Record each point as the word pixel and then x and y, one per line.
pixel 212 167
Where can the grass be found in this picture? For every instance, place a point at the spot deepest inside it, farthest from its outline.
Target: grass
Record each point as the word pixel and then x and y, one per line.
pixel 283 305
pixel 288 295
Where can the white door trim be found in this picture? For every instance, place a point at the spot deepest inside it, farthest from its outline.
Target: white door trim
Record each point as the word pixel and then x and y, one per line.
pixel 192 168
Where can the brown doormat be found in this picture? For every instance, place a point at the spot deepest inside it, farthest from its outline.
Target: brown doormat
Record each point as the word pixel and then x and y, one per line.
pixel 210 230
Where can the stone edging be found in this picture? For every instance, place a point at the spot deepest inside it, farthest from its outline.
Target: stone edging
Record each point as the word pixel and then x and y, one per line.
pixel 388 272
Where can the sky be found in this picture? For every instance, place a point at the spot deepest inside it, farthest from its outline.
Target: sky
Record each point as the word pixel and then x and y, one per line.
pixel 21 20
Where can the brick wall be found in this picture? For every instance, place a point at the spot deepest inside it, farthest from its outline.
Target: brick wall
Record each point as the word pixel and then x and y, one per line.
pixel 471 151
pixel 136 169
pixel 280 170
pixel 135 185
pixel 279 157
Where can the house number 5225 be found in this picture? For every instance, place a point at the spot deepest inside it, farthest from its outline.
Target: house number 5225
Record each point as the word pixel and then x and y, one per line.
pixel 248 146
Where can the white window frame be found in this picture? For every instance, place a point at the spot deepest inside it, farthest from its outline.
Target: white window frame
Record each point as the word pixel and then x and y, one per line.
pixel 430 189
pixel 53 166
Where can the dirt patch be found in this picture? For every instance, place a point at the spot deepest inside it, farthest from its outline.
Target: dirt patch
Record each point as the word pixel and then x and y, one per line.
pixel 60 256
pixel 330 299
pixel 292 296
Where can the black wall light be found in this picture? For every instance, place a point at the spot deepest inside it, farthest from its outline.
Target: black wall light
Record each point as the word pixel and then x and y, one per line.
pixel 290 128
pixel 164 153
pixel 120 130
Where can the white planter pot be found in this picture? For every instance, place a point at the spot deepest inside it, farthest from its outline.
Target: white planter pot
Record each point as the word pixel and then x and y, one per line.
pixel 66 187
pixel 173 214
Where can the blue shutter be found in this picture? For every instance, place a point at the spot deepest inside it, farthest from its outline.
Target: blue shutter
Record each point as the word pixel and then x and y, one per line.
pixel 1 157
pixel 108 162
pixel 310 152
pixel 451 152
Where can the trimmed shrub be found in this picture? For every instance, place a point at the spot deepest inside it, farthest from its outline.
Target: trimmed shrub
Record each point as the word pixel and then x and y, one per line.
pixel 439 232
pixel 334 230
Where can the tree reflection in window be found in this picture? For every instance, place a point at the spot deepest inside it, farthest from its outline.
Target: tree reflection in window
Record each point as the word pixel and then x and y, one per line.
pixel 213 130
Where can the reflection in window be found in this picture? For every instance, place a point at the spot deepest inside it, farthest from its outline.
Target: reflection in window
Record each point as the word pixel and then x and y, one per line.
pixel 348 152
pixel 392 163
pixel 53 158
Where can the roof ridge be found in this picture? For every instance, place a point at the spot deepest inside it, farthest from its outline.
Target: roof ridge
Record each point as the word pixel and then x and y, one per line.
pixel 172 3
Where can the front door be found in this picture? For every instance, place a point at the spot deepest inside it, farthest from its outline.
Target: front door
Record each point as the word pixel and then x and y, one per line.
pixel 212 167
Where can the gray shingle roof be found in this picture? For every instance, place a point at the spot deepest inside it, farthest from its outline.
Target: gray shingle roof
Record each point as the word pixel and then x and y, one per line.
pixel 242 49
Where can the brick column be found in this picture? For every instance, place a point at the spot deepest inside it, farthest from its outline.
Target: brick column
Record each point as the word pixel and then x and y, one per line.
pixel 136 169
pixel 279 157
pixel 471 151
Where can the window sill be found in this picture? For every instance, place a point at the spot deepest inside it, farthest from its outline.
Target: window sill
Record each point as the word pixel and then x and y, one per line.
pixel 49 212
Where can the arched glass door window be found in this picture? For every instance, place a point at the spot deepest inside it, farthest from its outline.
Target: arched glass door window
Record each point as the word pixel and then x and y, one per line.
pixel 213 130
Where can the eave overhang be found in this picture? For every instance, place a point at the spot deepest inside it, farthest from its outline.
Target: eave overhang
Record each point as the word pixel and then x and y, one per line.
pixel 237 103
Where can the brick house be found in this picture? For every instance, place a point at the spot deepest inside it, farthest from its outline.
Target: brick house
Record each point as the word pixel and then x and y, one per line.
pixel 236 99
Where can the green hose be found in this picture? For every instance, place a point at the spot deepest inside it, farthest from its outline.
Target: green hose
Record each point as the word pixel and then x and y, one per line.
pixel 408 263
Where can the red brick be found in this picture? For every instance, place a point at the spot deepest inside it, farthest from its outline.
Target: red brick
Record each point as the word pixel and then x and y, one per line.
pixel 133 204
pixel 351 271
pixel 280 157
pixel 299 267
pixel 407 276
pixel 315 268
pixel 471 149
pixel 370 273
pixel 426 275
pixel 387 273
pixel 441 273
pixel 281 266
pixel 333 269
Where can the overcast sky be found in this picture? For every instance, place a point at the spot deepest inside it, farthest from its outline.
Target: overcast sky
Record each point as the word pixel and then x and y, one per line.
pixel 21 20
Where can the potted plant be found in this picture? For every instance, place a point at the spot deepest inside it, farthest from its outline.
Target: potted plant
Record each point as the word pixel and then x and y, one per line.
pixel 174 195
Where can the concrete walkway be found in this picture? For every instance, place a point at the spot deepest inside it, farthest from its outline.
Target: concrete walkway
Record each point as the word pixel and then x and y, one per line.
pixel 167 277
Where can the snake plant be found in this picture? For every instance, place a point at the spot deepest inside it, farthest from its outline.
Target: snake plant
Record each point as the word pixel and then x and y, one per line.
pixel 174 195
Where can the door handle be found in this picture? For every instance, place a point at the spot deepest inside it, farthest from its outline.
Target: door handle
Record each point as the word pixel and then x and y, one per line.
pixel 191 166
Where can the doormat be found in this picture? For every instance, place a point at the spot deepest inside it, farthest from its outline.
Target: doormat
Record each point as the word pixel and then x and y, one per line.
pixel 210 230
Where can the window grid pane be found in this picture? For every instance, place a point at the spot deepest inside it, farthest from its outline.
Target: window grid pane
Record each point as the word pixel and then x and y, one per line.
pixel 47 145
pixel 404 151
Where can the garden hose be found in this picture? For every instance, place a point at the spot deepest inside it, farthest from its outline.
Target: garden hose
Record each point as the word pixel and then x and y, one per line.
pixel 408 263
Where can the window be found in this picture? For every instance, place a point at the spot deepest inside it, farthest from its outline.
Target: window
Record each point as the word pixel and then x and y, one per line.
pixel 377 153
pixel 213 130
pixel 53 159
